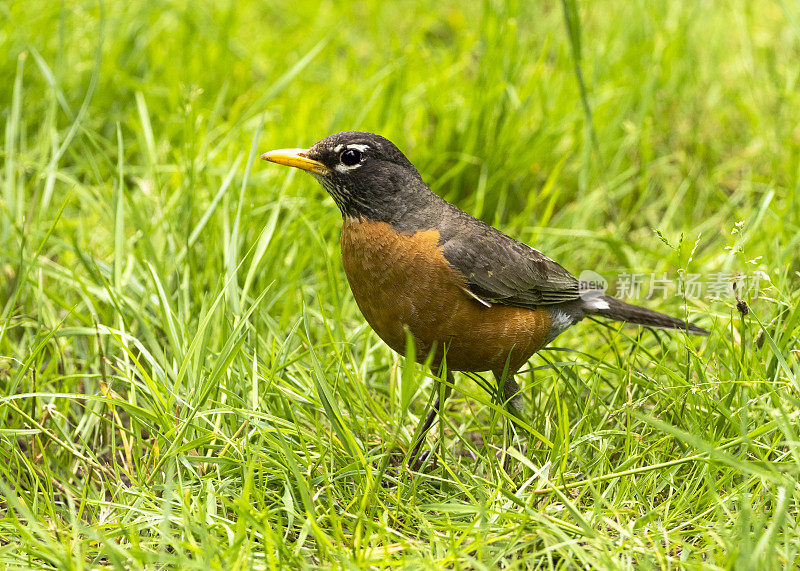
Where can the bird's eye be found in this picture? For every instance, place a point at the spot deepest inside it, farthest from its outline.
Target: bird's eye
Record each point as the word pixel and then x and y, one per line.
pixel 350 157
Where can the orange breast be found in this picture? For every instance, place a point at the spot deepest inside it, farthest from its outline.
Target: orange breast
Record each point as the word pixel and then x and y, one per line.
pixel 402 281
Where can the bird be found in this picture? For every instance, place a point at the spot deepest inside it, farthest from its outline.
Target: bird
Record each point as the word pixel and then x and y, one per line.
pixel 471 297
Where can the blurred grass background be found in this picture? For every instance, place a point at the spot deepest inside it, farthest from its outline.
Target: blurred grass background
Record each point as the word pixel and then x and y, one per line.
pixel 186 381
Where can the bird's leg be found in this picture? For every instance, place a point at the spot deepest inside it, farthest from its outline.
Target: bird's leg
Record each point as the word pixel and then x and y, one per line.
pixel 512 399
pixel 441 393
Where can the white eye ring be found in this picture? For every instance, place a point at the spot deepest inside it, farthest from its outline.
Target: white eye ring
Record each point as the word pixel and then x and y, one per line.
pixel 350 158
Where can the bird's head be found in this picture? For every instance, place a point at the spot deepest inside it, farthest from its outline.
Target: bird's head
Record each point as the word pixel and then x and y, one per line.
pixel 365 174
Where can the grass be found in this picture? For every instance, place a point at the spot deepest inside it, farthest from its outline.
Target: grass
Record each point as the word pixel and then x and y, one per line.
pixel 185 380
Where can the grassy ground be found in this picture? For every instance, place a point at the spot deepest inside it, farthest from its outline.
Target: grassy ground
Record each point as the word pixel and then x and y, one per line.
pixel 186 381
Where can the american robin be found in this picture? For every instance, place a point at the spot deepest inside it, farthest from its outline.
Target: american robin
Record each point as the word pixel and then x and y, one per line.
pixel 474 297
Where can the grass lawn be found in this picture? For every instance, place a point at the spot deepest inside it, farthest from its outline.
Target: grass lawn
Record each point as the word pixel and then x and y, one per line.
pixel 185 378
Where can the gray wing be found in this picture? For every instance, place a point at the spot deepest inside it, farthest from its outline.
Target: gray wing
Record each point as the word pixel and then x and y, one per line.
pixel 499 269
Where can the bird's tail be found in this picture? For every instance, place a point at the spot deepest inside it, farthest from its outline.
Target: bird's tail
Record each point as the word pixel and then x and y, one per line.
pixel 612 308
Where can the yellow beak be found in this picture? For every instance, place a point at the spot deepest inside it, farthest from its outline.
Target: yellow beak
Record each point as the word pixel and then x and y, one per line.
pixel 296 158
